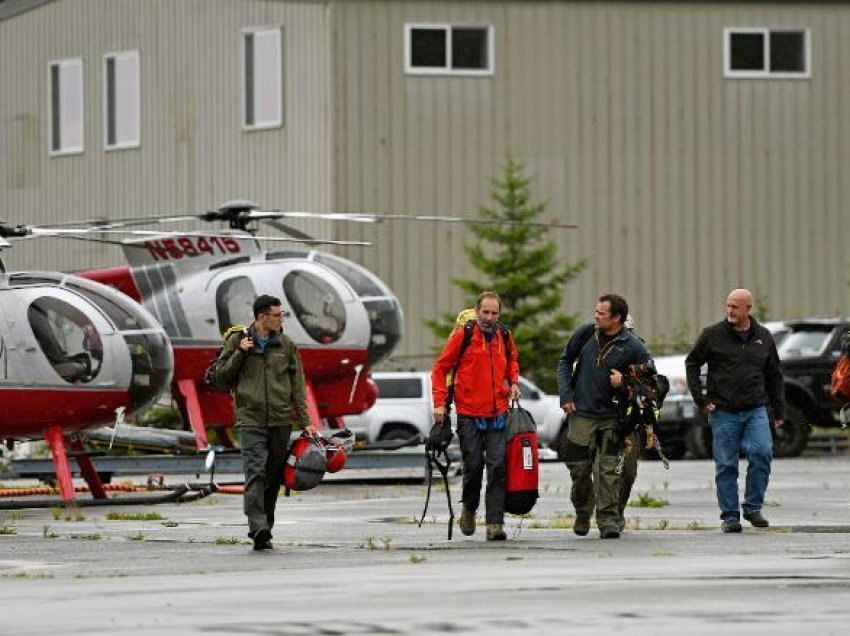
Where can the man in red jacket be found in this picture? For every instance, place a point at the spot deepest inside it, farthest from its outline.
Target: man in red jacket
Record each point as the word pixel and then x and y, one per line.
pixel 486 379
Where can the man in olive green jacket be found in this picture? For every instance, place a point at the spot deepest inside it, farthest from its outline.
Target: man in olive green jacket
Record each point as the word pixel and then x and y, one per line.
pixel 264 369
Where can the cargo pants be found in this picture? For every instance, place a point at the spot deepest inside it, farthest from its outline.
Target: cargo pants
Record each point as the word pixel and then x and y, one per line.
pixel 591 455
pixel 264 452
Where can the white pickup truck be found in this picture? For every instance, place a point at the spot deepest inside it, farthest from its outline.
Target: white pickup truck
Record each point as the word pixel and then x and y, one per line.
pixel 404 409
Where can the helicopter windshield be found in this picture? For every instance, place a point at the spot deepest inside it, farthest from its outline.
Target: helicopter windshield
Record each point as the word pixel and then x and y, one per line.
pixel 67 338
pixel 317 306
pixel 150 355
pixel 360 279
pixel 119 310
pixel 234 301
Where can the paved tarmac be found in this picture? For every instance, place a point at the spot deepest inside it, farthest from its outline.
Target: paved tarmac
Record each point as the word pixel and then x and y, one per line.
pixel 349 559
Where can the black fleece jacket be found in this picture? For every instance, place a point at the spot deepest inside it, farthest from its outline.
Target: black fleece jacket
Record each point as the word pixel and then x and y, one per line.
pixel 743 369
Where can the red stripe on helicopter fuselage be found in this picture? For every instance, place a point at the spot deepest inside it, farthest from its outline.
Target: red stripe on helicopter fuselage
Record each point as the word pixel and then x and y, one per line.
pixel 27 411
pixel 118 277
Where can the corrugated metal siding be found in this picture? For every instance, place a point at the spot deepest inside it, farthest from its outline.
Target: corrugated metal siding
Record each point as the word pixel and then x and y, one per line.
pixel 194 154
pixel 685 184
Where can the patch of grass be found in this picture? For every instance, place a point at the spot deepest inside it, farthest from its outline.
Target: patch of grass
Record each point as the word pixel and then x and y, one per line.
pixel 645 500
pixel 93 536
pixel 15 516
pixel 416 559
pixel 134 516
pixel 695 525
pixel 662 553
pixel 231 541
pixel 388 543
pixel 662 524
pixel 4 529
pixel 560 521
pixel 28 575
pixel 139 536
pixel 56 511
pixel 369 542
pixel 47 533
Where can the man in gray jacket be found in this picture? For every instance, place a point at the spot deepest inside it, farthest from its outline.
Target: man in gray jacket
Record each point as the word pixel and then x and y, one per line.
pixel 743 376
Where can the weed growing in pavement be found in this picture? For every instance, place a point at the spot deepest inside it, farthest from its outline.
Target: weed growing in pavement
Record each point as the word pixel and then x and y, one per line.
pixel 28 575
pixel 139 536
pixel 604 554
pixel 15 516
pixel 231 541
pixel 94 536
pixel 134 516
pixel 47 533
pixel 645 500
pixel 4 529
pixel 170 524
pixel 416 559
pixel 695 525
pixel 56 511
pixel 369 542
pixel 662 553
pixel 662 524
pixel 561 521
pixel 388 543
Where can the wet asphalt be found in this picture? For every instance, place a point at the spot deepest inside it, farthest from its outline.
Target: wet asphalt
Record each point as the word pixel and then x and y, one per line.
pixel 349 558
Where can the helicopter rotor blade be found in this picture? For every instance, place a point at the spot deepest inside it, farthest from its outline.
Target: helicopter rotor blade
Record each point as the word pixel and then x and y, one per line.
pixel 288 229
pixel 82 233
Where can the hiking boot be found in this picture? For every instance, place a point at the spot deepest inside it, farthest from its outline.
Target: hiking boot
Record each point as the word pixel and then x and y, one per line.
pixel 263 540
pixel 609 533
pixel 730 526
pixel 757 519
pixel 467 522
pixel 581 525
pixel 496 532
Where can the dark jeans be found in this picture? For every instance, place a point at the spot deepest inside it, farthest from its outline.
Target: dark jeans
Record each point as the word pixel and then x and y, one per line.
pixel 734 431
pixel 263 458
pixel 480 448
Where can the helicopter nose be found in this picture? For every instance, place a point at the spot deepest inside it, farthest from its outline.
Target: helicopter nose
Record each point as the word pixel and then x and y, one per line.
pixel 385 320
pixel 152 361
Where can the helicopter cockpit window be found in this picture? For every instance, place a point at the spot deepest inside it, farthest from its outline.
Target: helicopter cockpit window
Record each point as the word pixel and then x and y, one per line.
pixel 234 300
pixel 316 304
pixel 359 279
pixel 67 338
pixel 120 313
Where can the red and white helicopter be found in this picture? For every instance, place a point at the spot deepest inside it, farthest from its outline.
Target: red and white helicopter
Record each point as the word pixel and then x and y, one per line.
pixel 73 354
pixel 197 283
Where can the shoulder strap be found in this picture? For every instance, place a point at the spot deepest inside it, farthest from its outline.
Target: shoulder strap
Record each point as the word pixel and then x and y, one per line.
pixel 464 345
pixel 581 344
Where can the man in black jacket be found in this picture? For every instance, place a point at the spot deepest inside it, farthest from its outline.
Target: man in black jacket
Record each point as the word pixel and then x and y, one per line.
pixel 743 375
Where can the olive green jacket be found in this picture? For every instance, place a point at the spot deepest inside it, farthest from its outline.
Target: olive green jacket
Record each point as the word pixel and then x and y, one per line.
pixel 269 386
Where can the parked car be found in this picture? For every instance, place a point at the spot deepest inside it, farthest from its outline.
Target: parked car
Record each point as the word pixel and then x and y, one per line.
pixel 404 409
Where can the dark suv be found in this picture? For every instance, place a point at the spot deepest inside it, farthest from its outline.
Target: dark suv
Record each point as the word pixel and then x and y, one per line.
pixel 808 354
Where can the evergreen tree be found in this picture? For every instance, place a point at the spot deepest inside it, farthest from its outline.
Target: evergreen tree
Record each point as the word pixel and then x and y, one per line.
pixel 518 261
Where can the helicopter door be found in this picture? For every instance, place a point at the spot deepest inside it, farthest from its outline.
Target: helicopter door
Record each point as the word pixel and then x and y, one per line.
pixel 67 338
pixel 317 305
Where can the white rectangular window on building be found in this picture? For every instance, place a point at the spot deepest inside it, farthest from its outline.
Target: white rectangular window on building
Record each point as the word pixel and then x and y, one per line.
pixel 445 49
pixel 767 53
pixel 65 92
pixel 263 78
pixel 122 96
